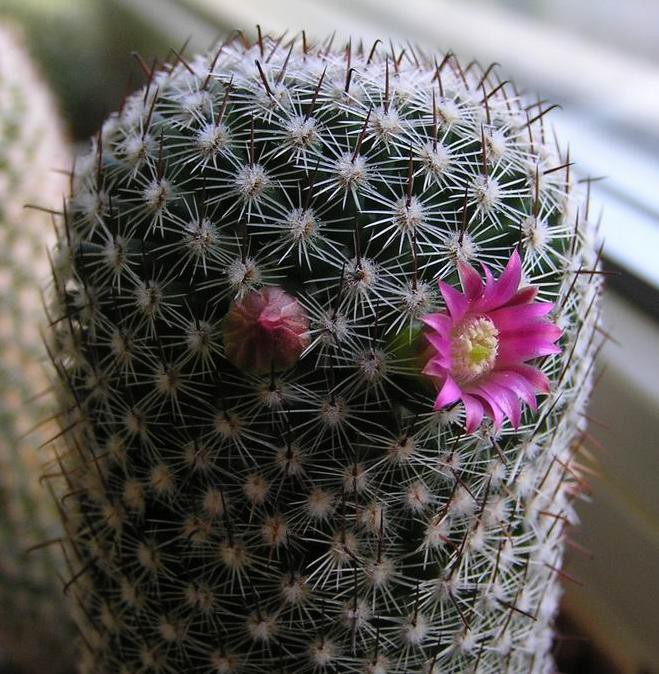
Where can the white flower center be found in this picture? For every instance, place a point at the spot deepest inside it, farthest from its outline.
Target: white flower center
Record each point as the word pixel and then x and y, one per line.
pixel 474 349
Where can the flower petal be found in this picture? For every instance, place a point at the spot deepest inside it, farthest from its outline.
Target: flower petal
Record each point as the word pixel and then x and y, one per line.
pixel 449 394
pixel 511 318
pixel 497 399
pixel 514 381
pixel 470 280
pixel 508 283
pixel 533 375
pixel 500 292
pixel 493 411
pixel 436 367
pixel 537 330
pixel 473 413
pixel 439 322
pixel 456 302
pixel 516 349
pixel 489 289
pixel 440 343
pixel 524 296
pixel 515 415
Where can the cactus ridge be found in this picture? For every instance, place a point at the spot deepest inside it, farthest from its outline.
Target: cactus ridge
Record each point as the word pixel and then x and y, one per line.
pixel 322 518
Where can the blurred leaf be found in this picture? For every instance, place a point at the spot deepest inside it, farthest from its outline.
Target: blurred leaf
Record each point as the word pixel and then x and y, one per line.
pixel 83 48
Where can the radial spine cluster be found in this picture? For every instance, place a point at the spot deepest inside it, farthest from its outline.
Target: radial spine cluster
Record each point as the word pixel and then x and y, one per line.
pixel 319 518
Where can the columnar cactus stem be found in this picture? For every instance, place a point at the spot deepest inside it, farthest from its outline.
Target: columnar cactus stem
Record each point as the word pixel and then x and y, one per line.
pixel 257 478
pixel 31 149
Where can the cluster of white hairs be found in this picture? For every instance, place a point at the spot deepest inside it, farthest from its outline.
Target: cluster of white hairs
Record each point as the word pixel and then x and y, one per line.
pixel 31 148
pixel 323 518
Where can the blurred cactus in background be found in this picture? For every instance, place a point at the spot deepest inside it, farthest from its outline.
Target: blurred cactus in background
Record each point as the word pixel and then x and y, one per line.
pixel 83 48
pixel 261 473
pixel 32 623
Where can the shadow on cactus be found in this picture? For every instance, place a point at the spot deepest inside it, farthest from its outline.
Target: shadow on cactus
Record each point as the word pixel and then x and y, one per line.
pixel 258 479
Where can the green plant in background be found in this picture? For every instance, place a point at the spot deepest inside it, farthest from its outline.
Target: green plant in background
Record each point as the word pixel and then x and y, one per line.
pixel 83 48
pixel 258 479
pixel 32 148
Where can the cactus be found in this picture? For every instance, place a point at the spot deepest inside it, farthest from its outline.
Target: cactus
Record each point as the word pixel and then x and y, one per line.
pixel 261 473
pixel 31 148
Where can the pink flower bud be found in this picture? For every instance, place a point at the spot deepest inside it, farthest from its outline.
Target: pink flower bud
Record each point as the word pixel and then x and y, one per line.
pixel 268 329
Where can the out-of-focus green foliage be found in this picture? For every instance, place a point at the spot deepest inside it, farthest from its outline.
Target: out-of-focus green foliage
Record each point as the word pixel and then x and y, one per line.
pixel 83 48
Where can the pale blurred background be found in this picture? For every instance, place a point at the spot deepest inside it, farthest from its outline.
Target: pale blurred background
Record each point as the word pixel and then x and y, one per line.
pixel 600 60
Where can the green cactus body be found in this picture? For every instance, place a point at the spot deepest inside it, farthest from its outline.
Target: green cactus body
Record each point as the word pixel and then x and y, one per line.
pixel 31 148
pixel 319 518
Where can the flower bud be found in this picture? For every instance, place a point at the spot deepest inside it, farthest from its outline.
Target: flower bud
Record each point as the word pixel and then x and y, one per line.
pixel 268 329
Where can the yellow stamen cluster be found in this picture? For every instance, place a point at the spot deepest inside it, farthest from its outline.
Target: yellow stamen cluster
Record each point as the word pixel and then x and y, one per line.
pixel 474 349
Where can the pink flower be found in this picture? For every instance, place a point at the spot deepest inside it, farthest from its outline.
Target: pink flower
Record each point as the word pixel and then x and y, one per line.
pixel 479 350
pixel 268 329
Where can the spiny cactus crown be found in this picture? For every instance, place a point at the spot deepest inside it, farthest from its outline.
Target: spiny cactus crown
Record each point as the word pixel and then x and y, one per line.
pixel 31 148
pixel 321 518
